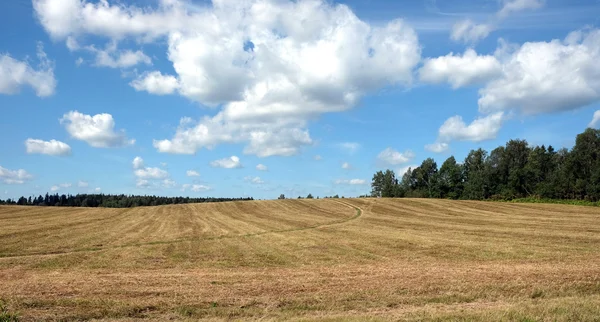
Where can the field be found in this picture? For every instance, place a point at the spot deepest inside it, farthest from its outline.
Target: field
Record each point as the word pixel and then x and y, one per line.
pixel 332 260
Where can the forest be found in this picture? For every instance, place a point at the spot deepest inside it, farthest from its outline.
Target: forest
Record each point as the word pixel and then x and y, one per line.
pixel 508 172
pixel 108 201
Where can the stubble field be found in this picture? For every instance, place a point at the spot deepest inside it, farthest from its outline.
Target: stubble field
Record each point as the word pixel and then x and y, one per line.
pixel 332 260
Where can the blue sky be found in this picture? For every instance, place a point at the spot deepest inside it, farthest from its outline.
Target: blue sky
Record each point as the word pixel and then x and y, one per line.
pixel 321 94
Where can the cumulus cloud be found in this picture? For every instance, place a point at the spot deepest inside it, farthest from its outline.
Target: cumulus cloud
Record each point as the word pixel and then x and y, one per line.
pixel 151 173
pixel 232 162
pixel 543 77
pixel 16 74
pixel 138 163
pixel 254 180
pixel 400 172
pixel 460 71
pixel 595 120
pixel 261 167
pixel 192 173
pixel 351 181
pixel 437 147
pixel 390 156
pixel 155 83
pixel 98 130
pixel 269 66
pixel 121 59
pixel 194 187
pixel 350 147
pixel 346 166
pixel 481 129
pixel 470 32
pixel 19 176
pixel 60 186
pixel 52 147
pixel 97 190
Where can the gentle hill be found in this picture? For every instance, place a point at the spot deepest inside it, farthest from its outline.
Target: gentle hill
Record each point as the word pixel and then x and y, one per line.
pixel 313 259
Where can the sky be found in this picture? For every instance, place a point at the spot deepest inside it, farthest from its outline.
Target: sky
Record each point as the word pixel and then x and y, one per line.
pixel 237 98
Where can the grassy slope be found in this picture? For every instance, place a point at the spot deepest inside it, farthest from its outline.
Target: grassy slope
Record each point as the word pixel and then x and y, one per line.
pixel 305 259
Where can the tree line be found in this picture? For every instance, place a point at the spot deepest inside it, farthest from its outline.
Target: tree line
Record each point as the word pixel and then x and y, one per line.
pixel 513 171
pixel 108 201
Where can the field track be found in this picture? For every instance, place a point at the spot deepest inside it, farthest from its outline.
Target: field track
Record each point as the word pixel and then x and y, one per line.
pixel 342 259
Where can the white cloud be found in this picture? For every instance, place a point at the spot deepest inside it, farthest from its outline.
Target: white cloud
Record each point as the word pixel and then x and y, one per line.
pixel 437 147
pixel 138 163
pixel 254 180
pixel 351 147
pixel 194 187
pixel 16 74
pixel 595 120
pixel 79 61
pixel 142 183
pixel 469 32
pixel 351 181
pixel 155 83
pixel 199 188
pixel 14 176
pixel 98 130
pixel 400 172
pixel 262 167
pixel 270 70
pixel 346 166
pixel 121 59
pixel 163 164
pixel 318 158
pixel 227 163
pixel 151 173
pixel 390 156
pixel 543 77
pixel 97 190
pixel 512 6
pixel 168 183
pixel 460 71
pixel 52 147
pixel 192 173
pixel 60 186
pixel 82 184
pixel 481 129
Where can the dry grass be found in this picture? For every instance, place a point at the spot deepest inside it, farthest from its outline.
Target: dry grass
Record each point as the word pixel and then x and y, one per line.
pixel 331 260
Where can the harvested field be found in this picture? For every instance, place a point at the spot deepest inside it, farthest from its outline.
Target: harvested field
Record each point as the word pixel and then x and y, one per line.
pixel 333 260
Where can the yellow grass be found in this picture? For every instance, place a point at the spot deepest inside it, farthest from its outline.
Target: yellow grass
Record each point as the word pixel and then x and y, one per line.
pixel 331 260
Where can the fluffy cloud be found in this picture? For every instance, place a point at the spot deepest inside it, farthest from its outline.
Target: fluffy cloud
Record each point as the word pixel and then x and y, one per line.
pixel 542 77
pixel 16 74
pixel 595 120
pixel 192 173
pixel 97 190
pixel 121 59
pixel 60 186
pixel 254 180
pixel 51 147
pixel 262 167
pixel 269 66
pixel 350 147
pixel 390 156
pixel 511 6
pixel 346 166
pixel 98 130
pixel 481 129
pixel 400 172
pixel 468 31
pixel 460 71
pixel 138 163
pixel 437 147
pixel 351 181
pixel 155 83
pixel 194 187
pixel 147 177
pixel 232 162
pixel 14 176
pixel 151 173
